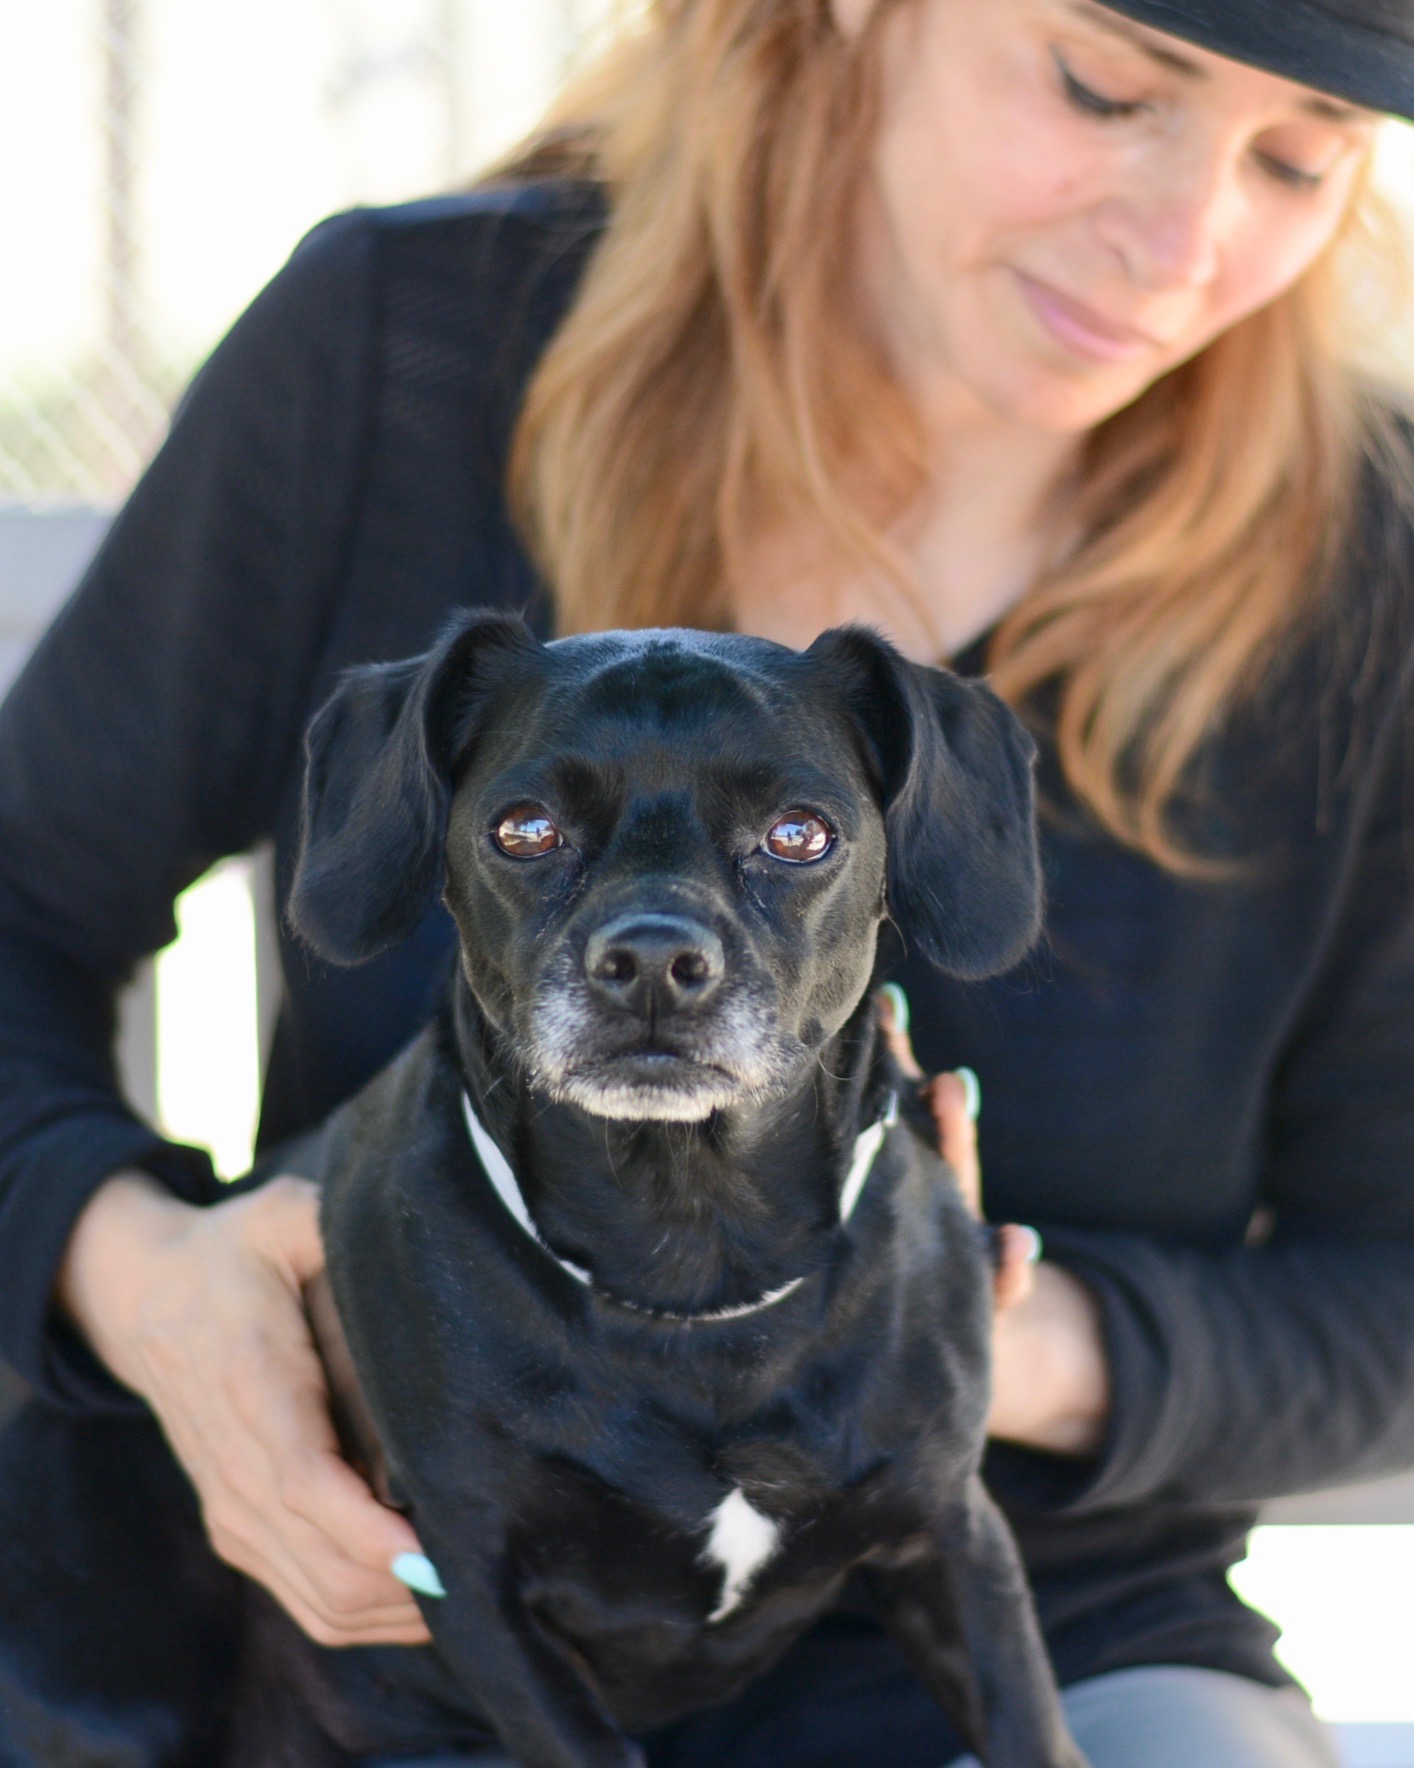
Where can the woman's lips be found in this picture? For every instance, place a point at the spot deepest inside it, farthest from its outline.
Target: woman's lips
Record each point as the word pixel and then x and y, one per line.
pixel 1081 329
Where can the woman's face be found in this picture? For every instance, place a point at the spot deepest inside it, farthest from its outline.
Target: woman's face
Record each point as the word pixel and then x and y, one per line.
pixel 1068 204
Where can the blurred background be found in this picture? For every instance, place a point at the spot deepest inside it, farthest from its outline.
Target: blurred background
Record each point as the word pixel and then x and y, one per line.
pixel 161 158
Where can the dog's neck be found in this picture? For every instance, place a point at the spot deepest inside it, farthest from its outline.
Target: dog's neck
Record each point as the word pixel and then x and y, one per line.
pixel 675 1217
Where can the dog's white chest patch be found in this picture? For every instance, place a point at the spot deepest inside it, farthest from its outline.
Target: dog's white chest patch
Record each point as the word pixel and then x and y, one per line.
pixel 741 1542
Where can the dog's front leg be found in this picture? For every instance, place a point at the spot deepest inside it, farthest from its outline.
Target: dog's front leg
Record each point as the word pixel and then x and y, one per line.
pixel 542 1706
pixel 1008 1705
pixel 918 1603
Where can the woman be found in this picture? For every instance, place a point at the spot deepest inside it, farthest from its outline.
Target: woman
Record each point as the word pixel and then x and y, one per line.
pixel 1015 331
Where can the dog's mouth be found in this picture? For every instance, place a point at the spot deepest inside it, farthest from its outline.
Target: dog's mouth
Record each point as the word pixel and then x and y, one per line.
pixel 679 1069
pixel 651 1082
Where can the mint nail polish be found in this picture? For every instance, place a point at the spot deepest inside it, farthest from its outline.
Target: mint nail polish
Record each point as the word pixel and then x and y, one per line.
pixel 417 1571
pixel 898 1000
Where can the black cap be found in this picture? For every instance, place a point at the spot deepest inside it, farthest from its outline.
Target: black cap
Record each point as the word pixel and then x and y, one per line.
pixel 1360 50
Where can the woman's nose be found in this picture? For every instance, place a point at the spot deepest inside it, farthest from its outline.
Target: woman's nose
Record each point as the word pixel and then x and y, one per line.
pixel 1171 230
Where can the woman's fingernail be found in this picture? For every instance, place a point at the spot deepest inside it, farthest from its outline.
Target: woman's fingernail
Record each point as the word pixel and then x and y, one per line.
pixel 971 1092
pixel 898 1002
pixel 1035 1246
pixel 417 1571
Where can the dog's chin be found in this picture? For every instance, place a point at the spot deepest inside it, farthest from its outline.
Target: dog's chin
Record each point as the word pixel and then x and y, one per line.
pixel 651 1089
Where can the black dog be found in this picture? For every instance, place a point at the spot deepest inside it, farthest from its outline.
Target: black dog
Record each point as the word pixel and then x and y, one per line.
pixel 661 1329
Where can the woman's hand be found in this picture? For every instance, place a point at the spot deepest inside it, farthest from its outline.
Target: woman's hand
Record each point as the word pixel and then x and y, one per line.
pixel 1050 1380
pixel 200 1312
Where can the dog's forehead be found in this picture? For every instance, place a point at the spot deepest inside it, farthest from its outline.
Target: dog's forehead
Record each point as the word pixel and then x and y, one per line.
pixel 676 679
pixel 670 710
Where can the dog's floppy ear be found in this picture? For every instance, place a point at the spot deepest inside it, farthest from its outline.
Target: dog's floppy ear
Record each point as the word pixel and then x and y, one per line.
pixel 377 787
pixel 955 768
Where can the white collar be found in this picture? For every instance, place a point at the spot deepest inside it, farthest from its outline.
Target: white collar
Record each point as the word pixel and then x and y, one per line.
pixel 498 1169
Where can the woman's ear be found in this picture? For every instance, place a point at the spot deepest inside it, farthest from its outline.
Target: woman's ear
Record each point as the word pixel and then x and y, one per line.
pixel 954 769
pixel 851 16
pixel 378 784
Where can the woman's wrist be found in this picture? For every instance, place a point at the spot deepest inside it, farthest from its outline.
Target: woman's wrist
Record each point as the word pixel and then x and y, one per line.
pixel 107 1264
pixel 1051 1387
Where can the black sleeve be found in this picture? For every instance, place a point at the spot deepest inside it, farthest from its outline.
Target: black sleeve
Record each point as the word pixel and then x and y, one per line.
pixel 153 731
pixel 1287 1367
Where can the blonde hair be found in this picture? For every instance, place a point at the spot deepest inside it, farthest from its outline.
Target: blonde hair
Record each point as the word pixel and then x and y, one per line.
pixel 714 377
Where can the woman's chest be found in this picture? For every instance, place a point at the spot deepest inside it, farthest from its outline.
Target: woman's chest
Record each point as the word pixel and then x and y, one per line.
pixel 1130 1065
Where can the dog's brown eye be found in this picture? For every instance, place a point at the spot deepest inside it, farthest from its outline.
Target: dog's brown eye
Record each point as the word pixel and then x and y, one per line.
pixel 799 838
pixel 526 833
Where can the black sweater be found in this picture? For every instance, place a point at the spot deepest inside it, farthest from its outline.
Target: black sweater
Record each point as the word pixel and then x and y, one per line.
pixel 1178 1057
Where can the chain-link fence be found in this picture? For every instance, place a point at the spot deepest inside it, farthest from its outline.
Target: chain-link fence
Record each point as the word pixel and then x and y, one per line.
pixel 162 158
pixel 85 432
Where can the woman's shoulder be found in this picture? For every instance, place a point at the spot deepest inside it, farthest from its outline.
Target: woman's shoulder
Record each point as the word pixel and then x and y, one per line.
pixel 545 206
pixel 487 239
pixel 1385 513
pixel 481 276
pixel 454 295
pixel 1371 610
pixel 1341 690
pixel 1333 689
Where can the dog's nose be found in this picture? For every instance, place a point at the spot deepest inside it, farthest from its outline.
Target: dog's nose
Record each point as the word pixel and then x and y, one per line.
pixel 653 964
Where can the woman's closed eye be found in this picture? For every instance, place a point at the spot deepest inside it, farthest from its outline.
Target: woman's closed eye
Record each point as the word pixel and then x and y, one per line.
pixel 1107 108
pixel 1294 176
pixel 1092 103
pixel 1304 154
